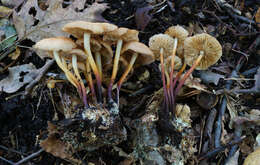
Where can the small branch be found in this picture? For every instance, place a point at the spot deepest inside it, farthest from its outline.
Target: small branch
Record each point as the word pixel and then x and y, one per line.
pixel 220 149
pixel 29 157
pixel 40 74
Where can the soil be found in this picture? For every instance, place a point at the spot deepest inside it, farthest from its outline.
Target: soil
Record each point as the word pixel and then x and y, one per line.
pixel 23 119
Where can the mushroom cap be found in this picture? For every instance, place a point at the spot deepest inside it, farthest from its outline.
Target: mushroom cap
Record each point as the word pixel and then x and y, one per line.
pixel 145 55
pixel 78 52
pixel 94 44
pixel 78 28
pixel 125 34
pixel 55 44
pixel 181 34
pixel 202 42
pixel 177 63
pixel 158 41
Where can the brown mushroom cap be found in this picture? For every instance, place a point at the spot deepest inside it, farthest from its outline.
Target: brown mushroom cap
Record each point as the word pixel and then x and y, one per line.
pixel 78 28
pixel 78 52
pixel 210 47
pixel 181 34
pixel 145 55
pixel 177 63
pixel 94 44
pixel 158 41
pixel 56 44
pixel 125 34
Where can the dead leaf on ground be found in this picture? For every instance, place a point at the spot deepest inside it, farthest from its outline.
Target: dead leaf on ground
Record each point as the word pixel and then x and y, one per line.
pixel 142 17
pixel 18 77
pixel 31 17
pixel 5 11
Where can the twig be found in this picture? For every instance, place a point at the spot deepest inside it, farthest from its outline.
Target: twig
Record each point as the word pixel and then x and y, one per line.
pixel 141 91
pixel 12 150
pixel 220 149
pixel 224 105
pixel 8 161
pixel 41 73
pixel 29 157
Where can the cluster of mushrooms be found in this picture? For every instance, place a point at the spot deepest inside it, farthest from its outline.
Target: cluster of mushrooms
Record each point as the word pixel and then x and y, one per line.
pixel 175 49
pixel 92 51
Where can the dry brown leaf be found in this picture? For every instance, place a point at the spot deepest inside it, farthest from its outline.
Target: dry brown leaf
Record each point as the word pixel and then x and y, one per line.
pixel 5 11
pixel 32 17
pixel 55 146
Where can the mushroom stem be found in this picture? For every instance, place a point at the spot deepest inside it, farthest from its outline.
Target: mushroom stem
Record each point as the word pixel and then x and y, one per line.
pixel 181 82
pixel 99 64
pixel 90 81
pixel 92 64
pixel 169 86
pixel 128 69
pixel 68 74
pixel 115 67
pixel 76 71
pixel 163 79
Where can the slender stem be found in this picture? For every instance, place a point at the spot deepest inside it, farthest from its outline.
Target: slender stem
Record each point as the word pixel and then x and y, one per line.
pixel 128 69
pixel 92 64
pixel 76 71
pixel 188 73
pixel 99 64
pixel 68 74
pixel 90 81
pixel 172 70
pixel 163 79
pixel 178 76
pixel 115 67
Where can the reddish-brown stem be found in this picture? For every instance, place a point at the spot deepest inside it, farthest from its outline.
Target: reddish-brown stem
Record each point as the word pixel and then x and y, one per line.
pixel 163 79
pixel 90 81
pixel 172 70
pixel 187 74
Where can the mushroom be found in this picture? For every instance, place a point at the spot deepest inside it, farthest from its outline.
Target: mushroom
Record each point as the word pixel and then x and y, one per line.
pixel 163 46
pixel 56 45
pixel 204 50
pixel 180 34
pixel 99 48
pixel 137 53
pixel 119 35
pixel 82 29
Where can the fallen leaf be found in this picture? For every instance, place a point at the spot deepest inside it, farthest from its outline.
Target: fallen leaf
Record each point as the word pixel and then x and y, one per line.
pixel 195 83
pixel 15 54
pixel 5 11
pixel 49 23
pixel 142 17
pixel 18 77
pixel 253 158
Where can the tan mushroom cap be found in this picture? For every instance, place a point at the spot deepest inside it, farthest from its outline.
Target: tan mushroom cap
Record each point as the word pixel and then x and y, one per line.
pixel 257 17
pixel 94 44
pixel 158 41
pixel 78 28
pixel 207 44
pixel 125 34
pixel 81 66
pixel 177 63
pixel 181 34
pixel 145 55
pixel 78 52
pixel 55 44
